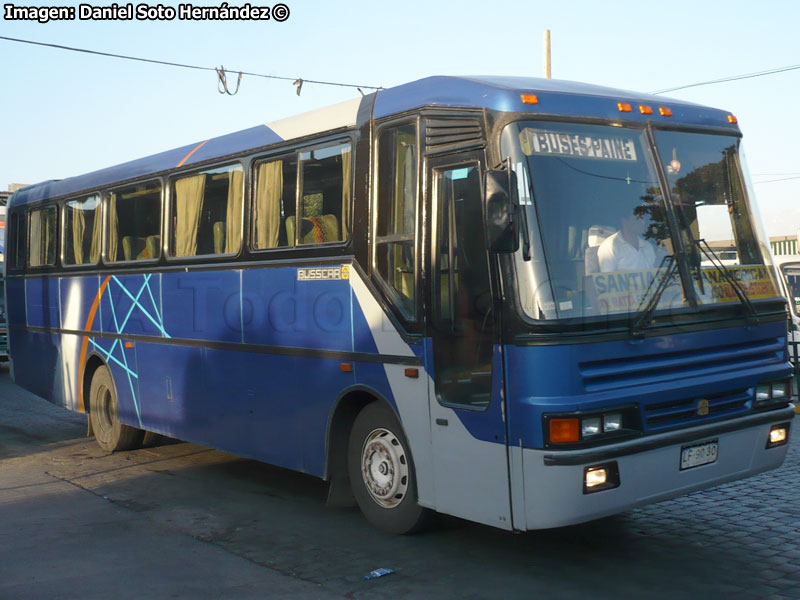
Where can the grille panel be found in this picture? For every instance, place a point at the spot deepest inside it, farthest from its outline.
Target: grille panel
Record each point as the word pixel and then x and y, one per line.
pixel 446 135
pixel 682 412
pixel 619 373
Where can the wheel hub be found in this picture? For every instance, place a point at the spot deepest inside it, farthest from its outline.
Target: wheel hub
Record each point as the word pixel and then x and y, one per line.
pixel 384 468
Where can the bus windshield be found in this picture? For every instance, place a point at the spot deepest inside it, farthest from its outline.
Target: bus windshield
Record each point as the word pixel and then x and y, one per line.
pixel 603 236
pixel 791 274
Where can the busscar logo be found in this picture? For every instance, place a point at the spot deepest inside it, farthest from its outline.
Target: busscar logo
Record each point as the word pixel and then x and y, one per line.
pixel 324 273
pixel 702 407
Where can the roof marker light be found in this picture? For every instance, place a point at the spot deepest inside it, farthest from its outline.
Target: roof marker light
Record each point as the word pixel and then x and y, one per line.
pixel 664 111
pixel 624 107
pixel 733 120
pixel 645 110
pixel 529 98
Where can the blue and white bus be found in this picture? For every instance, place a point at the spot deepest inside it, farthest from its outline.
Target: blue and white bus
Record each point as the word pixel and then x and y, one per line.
pixel 494 298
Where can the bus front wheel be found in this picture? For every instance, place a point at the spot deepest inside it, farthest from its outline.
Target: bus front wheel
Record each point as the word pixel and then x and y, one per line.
pixel 382 472
pixel 110 434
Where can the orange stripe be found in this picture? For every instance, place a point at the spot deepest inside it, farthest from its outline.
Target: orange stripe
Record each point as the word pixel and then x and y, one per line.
pixel 188 156
pixel 85 343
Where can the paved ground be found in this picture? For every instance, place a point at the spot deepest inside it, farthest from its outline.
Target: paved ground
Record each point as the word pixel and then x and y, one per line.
pixel 183 521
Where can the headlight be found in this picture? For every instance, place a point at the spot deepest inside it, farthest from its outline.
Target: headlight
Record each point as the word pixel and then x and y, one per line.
pixel 773 391
pixel 590 426
pixel 780 390
pixel 612 422
pixel 579 428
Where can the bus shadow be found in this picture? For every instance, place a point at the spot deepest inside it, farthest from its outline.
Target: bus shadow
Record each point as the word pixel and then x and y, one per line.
pixel 278 518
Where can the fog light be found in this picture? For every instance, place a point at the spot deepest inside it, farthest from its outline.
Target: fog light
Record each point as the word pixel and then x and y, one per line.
pixel 590 426
pixel 778 435
pixel 612 422
pixel 763 392
pixel 595 477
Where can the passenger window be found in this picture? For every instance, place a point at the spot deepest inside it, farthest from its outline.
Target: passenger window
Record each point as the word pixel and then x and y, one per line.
pixel 396 208
pixel 134 223
pixel 82 231
pixel 275 202
pixel 19 242
pixel 206 212
pixel 42 236
pixel 325 196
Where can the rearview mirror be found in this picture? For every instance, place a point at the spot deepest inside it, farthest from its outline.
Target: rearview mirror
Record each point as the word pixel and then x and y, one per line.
pixel 501 211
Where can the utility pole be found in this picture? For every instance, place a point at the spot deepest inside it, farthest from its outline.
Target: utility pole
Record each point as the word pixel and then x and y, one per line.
pixel 546 57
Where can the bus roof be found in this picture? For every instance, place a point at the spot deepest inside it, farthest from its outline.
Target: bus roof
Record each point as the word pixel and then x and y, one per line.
pixel 555 97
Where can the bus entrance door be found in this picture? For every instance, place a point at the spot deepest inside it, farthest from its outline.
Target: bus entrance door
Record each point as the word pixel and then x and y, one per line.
pixel 468 432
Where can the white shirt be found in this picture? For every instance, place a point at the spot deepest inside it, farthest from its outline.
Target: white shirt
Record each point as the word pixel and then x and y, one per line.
pixel 616 254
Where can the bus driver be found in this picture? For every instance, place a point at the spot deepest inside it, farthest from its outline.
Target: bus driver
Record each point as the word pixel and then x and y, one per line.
pixel 627 250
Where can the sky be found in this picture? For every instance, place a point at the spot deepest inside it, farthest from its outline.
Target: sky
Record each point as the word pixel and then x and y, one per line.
pixel 66 113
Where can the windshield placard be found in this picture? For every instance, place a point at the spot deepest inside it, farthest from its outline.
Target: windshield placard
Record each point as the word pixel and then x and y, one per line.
pixel 754 281
pixel 623 291
pixel 541 141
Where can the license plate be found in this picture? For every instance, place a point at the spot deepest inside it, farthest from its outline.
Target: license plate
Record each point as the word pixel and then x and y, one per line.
pixel 699 454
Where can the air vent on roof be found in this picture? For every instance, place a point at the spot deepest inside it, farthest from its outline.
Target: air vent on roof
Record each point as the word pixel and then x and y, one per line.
pixel 446 135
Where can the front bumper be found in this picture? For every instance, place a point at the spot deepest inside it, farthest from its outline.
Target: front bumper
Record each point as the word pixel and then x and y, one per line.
pixel 649 470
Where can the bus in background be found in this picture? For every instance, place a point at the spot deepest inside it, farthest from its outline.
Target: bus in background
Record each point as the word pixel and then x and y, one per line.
pixel 495 298
pixel 788 267
pixel 3 324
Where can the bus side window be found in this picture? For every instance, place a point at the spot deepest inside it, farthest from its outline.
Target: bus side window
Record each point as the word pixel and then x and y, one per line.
pixel 42 237
pixel 82 231
pixel 325 195
pixel 206 211
pixel 134 223
pixel 396 208
pixel 274 203
pixel 18 240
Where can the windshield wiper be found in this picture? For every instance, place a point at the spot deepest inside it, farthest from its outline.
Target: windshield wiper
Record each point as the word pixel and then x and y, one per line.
pixel 637 327
pixel 750 311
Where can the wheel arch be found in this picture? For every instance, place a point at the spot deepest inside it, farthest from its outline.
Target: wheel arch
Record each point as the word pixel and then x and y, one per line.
pixel 340 422
pixel 93 362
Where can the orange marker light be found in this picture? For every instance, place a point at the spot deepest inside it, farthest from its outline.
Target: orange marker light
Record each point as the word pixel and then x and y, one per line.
pixel 664 111
pixel 565 430
pixel 645 110
pixel 624 107
pixel 529 98
pixel 732 119
pixel 412 373
pixel 129 345
pixel 346 367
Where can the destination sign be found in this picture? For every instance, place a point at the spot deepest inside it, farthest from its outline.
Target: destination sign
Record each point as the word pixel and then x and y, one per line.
pixel 540 141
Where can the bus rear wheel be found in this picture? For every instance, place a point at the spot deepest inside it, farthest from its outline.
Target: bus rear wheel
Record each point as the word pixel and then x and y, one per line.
pixel 111 435
pixel 382 472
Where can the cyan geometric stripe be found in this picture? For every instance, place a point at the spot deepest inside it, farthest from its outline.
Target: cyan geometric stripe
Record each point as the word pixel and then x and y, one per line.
pixel 122 359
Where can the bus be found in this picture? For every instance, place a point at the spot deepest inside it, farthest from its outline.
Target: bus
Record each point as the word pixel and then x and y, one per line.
pixel 788 267
pixel 489 297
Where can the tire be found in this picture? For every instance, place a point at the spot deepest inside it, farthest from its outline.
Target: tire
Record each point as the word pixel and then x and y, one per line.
pixel 382 473
pixel 111 435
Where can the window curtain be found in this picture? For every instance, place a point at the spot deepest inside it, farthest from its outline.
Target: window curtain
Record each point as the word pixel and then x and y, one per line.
pixel 188 206
pixel 113 228
pixel 36 239
pixel 347 162
pixel 97 234
pixel 268 204
pixel 78 228
pixel 233 218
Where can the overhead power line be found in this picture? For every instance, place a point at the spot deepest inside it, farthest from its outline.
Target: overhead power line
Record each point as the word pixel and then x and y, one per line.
pixel 294 80
pixel 774 180
pixel 732 78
